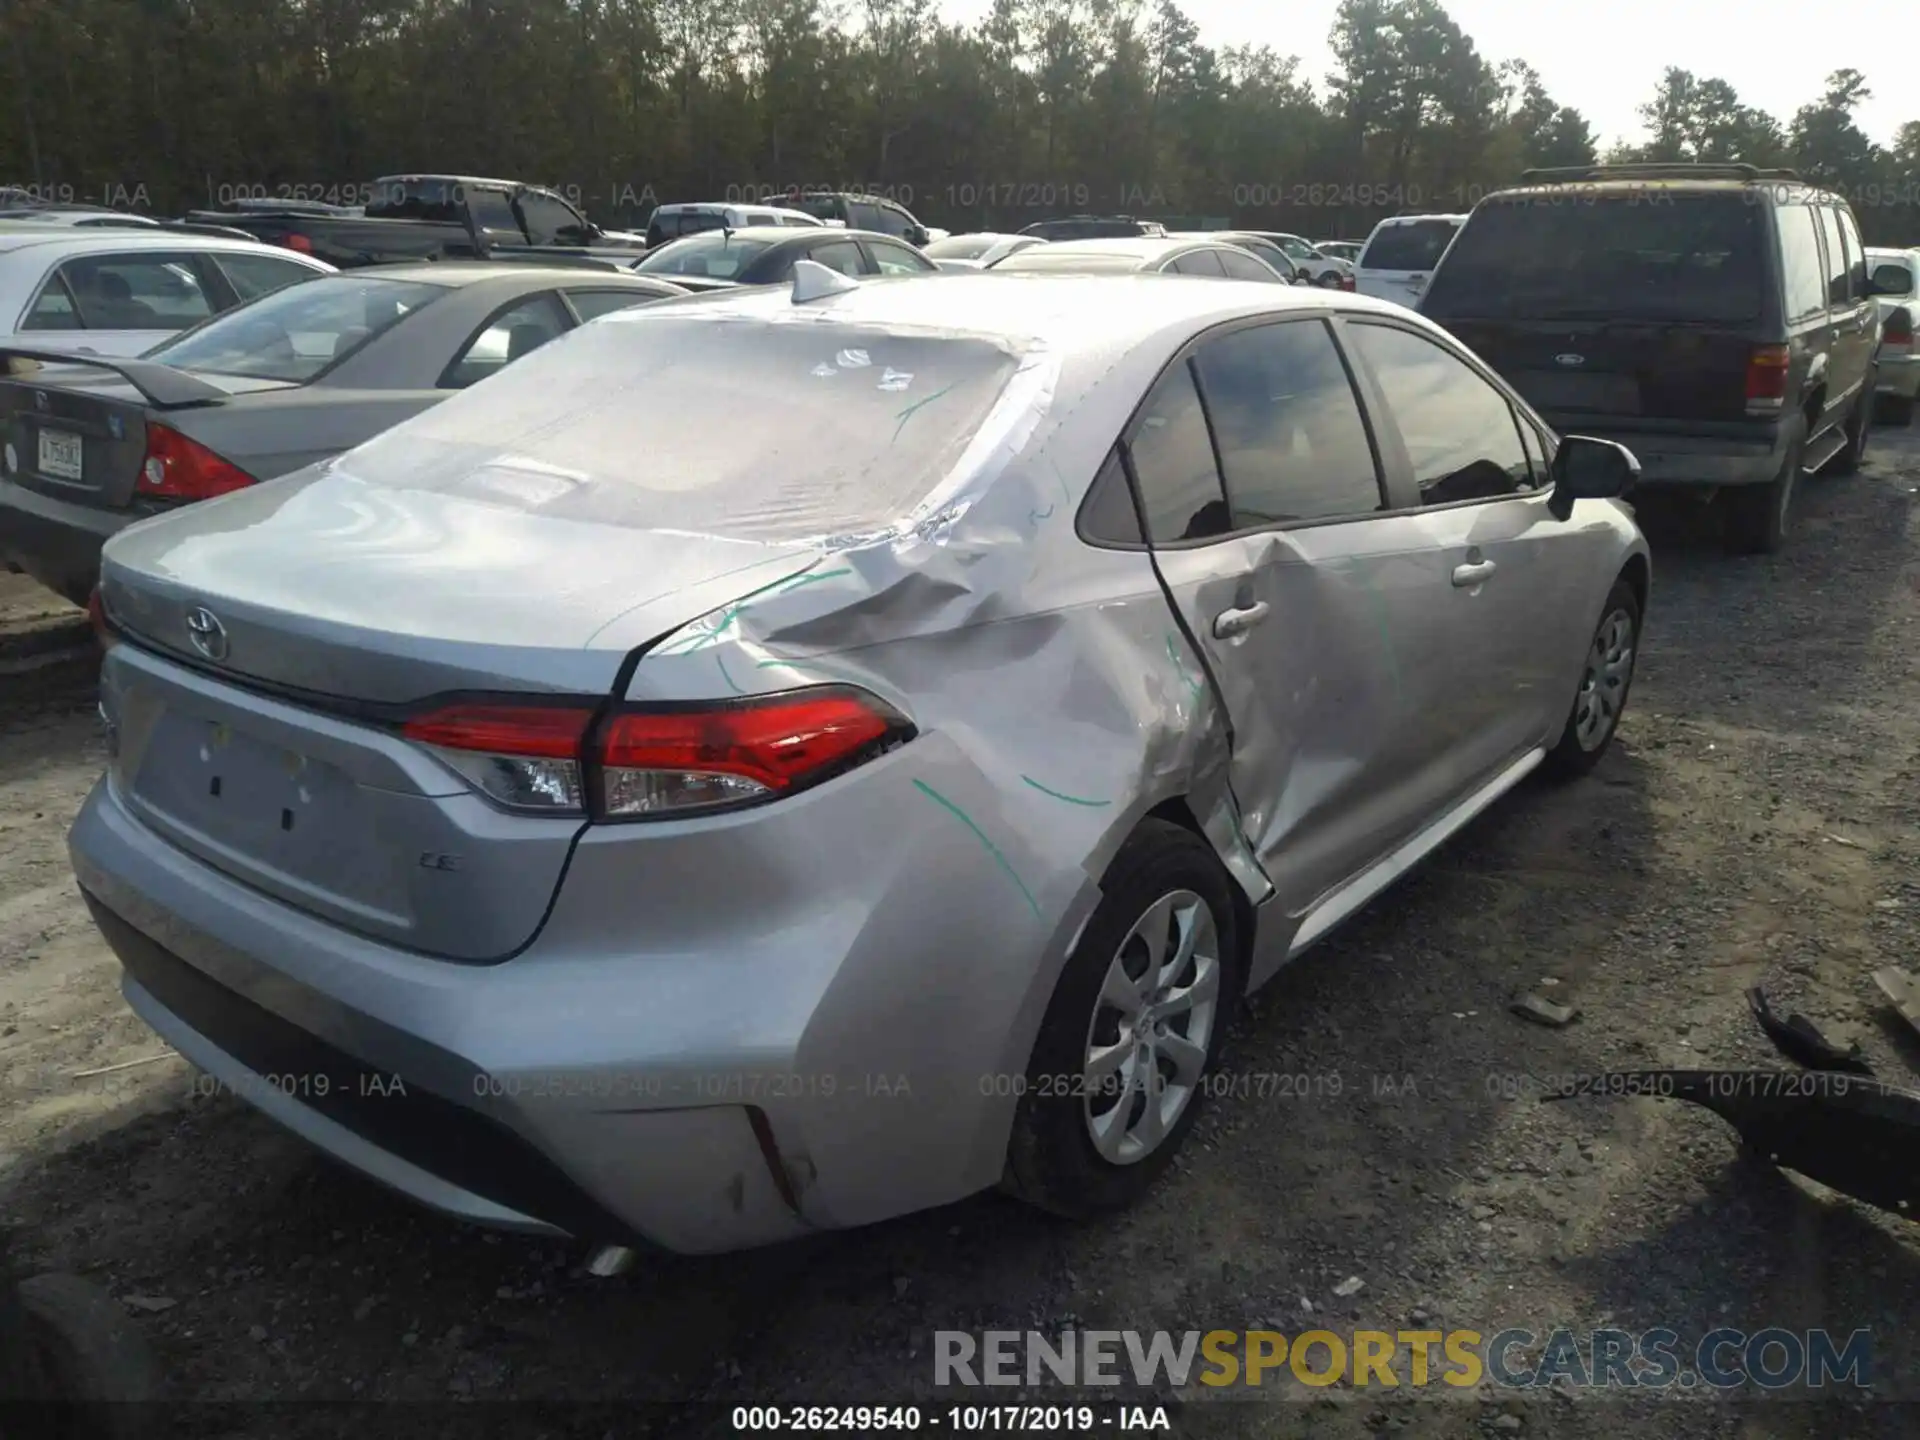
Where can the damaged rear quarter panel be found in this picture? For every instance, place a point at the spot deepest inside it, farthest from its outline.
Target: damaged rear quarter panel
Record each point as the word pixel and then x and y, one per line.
pixel 1057 702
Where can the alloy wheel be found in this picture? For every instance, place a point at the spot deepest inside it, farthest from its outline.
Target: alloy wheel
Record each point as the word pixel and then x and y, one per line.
pixel 1603 685
pixel 1152 1027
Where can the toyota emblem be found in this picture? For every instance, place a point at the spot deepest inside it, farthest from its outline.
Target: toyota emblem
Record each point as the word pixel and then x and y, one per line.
pixel 206 632
pixel 1569 359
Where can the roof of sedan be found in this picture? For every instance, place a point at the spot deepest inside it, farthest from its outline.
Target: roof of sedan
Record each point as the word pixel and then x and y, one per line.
pixel 1067 313
pixel 21 234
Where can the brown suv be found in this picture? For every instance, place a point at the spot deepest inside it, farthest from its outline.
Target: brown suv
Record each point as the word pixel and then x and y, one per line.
pixel 1718 320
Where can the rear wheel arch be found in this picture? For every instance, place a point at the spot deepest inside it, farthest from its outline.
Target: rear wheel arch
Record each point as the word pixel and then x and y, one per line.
pixel 1176 810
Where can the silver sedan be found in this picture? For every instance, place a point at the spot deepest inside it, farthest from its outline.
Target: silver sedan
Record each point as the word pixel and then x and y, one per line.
pixel 776 761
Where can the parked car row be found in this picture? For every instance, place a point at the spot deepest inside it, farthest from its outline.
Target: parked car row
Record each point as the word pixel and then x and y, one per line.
pixel 581 747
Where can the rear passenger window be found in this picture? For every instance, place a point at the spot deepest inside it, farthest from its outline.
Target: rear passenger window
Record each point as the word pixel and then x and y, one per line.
pixel 1173 461
pixel 1110 514
pixel 1836 256
pixel 1246 267
pixel 148 291
pixel 1461 434
pixel 1288 426
pixel 1198 262
pixel 1800 261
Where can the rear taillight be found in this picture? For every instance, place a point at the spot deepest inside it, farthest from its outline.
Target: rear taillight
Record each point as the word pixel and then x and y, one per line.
pixel 658 762
pixel 1899 327
pixel 1346 282
pixel 177 468
pixel 296 241
pixel 1767 378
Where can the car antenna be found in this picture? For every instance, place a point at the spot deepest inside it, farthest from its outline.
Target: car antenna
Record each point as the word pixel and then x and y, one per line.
pixel 814 281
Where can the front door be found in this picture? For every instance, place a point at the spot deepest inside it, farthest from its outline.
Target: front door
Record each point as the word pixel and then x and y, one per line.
pixel 1510 576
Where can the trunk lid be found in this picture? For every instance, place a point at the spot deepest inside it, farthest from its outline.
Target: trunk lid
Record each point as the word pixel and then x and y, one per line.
pixel 334 593
pixel 81 433
pixel 1587 370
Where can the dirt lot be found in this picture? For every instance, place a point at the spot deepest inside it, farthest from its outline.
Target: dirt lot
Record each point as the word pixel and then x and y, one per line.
pixel 1756 824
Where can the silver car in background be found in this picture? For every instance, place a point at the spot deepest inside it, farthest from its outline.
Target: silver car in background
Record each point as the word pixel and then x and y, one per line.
pixel 776 761
pixel 1896 275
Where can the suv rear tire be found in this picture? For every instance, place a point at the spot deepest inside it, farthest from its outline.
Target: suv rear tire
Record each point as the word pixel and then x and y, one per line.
pixel 1756 516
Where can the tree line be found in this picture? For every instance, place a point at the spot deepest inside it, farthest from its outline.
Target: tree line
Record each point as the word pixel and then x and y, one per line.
pixel 1045 107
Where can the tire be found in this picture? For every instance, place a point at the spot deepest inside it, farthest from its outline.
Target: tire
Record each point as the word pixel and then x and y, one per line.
pixel 1756 517
pixel 1606 679
pixel 1896 410
pixel 101 1373
pixel 1166 874
pixel 1859 430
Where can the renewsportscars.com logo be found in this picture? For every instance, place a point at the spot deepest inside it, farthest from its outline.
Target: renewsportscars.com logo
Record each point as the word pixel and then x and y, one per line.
pixel 1724 1359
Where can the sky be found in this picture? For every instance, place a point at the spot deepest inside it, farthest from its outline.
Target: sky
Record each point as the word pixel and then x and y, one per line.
pixel 1776 54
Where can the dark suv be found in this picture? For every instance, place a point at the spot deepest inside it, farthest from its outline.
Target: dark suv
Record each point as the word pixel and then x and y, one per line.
pixel 1716 319
pixel 1094 227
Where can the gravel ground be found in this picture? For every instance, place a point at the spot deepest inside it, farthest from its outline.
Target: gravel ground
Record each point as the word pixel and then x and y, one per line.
pixel 1754 825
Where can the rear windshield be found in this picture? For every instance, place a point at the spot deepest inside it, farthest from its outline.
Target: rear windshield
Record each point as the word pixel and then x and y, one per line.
pixel 959 247
pixel 296 332
pixel 1417 246
pixel 687 222
pixel 754 431
pixel 443 200
pixel 713 253
pixel 1057 259
pixel 1664 256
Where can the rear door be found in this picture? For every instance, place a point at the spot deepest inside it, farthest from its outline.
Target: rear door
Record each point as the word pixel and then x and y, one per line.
pixel 1399 258
pixel 1309 604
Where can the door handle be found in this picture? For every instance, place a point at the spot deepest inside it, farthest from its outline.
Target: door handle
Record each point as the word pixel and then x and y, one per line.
pixel 1229 623
pixel 1467 575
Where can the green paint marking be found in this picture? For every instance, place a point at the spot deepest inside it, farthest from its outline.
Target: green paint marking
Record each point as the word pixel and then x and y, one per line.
pixel 844 676
pixel 980 835
pixel 1037 516
pixel 687 644
pixel 725 675
pixel 1173 654
pixel 908 413
pixel 1070 799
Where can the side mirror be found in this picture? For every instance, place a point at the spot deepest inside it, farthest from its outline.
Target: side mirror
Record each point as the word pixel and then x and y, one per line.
pixel 1890 280
pixel 1585 468
pixel 918 236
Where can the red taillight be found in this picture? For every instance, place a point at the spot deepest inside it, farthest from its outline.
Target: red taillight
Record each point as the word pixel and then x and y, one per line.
pixel 1767 377
pixel 660 762
pixel 177 468
pixel 298 242
pixel 1899 327
pixel 1346 282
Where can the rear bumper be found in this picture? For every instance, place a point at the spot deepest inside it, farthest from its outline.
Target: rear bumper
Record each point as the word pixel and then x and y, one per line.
pixel 1687 460
pixel 739 1074
pixel 56 541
